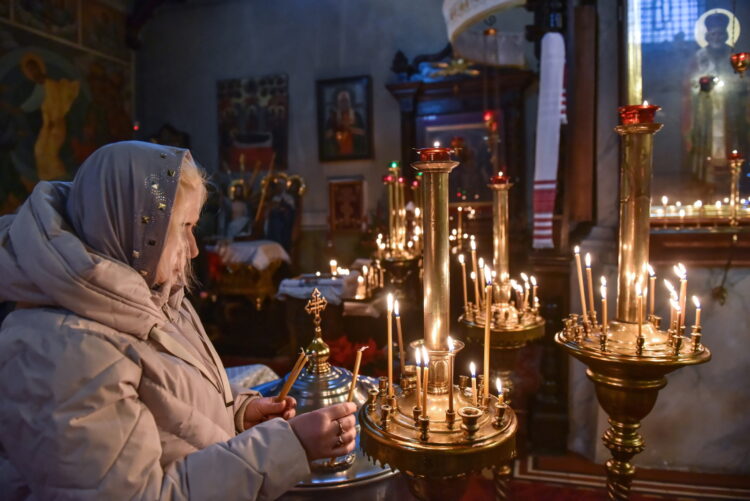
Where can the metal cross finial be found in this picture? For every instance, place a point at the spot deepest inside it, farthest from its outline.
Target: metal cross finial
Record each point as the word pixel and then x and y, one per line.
pixel 316 305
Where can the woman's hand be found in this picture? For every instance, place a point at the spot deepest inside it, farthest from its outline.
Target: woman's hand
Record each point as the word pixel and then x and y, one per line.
pixel 327 432
pixel 262 409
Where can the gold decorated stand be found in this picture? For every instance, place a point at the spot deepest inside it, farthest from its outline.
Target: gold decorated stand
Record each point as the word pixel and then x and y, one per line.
pixel 437 434
pixel 628 358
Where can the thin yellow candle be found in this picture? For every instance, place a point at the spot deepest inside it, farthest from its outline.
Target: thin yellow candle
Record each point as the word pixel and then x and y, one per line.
pixel 590 280
pixel 681 272
pixel 526 289
pixel 401 353
pixel 533 289
pixel 499 386
pixel 462 260
pixel 639 307
pixel 651 288
pixel 487 324
pixel 418 359
pixel 425 378
pixel 293 374
pixel 334 265
pixel 473 370
pixel 604 303
pixel 697 304
pixel 390 344
pixel 355 374
pixel 473 246
pixel 473 277
pixel 481 272
pixel 460 212
pixel 451 361
pixel 577 252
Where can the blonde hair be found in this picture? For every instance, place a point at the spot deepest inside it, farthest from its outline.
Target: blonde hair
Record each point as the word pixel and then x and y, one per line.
pixel 192 183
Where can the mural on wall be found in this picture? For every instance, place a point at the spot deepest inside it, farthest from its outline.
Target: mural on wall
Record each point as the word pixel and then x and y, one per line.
pixel 56 17
pixel 253 122
pixel 103 29
pixel 58 103
pixel 344 118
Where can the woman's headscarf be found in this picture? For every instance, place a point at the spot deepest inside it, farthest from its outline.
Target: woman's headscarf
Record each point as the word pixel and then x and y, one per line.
pixel 121 201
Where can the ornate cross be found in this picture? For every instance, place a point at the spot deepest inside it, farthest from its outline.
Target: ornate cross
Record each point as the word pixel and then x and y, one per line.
pixel 315 306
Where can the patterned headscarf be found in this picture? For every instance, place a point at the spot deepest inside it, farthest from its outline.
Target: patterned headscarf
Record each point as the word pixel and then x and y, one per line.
pixel 121 201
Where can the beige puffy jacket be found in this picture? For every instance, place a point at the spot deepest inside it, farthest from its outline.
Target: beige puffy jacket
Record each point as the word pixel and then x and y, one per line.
pixel 95 403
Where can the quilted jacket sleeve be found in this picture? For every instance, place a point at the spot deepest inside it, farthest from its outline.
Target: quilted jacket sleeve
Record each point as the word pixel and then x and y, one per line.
pixel 74 427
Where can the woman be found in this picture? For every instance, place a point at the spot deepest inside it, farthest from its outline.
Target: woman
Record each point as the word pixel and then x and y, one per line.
pixel 109 387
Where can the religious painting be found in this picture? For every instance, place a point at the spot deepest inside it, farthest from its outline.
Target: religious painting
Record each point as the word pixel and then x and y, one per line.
pixel 479 149
pixel 346 204
pixel 344 118
pixel 253 122
pixel 58 104
pixel 685 48
pixel 103 29
pixel 54 17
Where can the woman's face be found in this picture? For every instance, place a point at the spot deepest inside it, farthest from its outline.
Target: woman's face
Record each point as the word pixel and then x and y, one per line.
pixel 180 245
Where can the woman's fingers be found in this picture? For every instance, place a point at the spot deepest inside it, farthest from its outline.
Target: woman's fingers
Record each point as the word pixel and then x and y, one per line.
pixel 348 441
pixel 341 410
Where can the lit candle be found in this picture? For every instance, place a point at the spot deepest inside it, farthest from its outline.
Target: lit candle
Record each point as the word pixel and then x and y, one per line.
pixel 425 378
pixel 361 291
pixel 418 358
pixel 473 246
pixel 355 374
pixel 487 324
pixel 651 288
pixel 533 289
pixel 639 307
pixel 462 260
pixel 674 305
pixel 697 304
pixel 499 386
pixel 481 270
pixel 603 290
pixel 592 307
pixel 526 289
pixel 664 201
pixel 473 277
pixel 401 354
pixel 390 344
pixel 577 251
pixel 681 272
pixel 334 265
pixel 460 211
pixel 519 294
pixel 451 362
pixel 473 370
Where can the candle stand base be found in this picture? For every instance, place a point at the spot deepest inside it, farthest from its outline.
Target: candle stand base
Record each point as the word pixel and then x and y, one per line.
pixel 437 467
pixel 627 384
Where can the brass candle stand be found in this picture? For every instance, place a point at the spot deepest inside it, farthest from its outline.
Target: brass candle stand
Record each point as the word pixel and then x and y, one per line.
pixel 628 358
pixel 513 324
pixel 437 445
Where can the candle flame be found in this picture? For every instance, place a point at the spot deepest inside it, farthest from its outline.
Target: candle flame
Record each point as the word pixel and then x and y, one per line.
pixel 669 286
pixel 577 249
pixel 645 103
pixel 696 302
pixel 664 200
pixel 481 263
pixel 425 356
pixel 395 308
pixel 651 271
pixel 461 258
pixel 333 263
pixel 360 279
pixel 451 346
pixel 473 244
pixel 454 231
pixel 473 275
pixel 638 289
pixel 417 211
pixel 524 277
pixel 603 290
pixel 533 280
pixel 698 204
pixel 680 271
pixel 587 258
pixel 500 174
pixel 418 357
pixel 473 369
pixel 499 385
pixel 675 304
pixel 487 275
pixel 389 300
pixel 682 212
pixel 436 144
pixel 317 273
pixel 603 281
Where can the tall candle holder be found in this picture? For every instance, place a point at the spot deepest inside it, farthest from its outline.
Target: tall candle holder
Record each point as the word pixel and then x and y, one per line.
pixel 400 252
pixel 513 324
pixel 435 449
pixel 735 167
pixel 628 357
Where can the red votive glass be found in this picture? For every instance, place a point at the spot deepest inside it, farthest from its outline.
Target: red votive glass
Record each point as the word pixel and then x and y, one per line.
pixel 735 155
pixel 638 113
pixel 387 179
pixel 499 178
pixel 740 61
pixel 435 154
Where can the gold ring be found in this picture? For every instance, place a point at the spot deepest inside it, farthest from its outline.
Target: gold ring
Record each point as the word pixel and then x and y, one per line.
pixel 339 442
pixel 341 427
